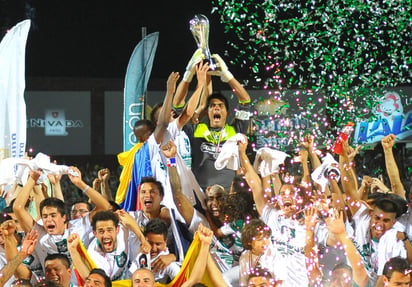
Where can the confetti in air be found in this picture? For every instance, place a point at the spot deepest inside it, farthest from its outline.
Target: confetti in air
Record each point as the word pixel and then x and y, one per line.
pixel 335 58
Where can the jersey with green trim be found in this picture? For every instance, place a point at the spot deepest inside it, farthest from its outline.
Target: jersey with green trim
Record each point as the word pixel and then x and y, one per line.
pixel 206 143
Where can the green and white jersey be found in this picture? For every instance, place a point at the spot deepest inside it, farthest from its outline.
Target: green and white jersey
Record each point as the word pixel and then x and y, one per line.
pixel 375 253
pixel 115 264
pixel 289 239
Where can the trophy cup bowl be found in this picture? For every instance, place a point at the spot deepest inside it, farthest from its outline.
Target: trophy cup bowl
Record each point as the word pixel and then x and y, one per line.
pixel 199 26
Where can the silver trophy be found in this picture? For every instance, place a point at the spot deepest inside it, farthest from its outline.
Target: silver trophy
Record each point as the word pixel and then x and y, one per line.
pixel 199 26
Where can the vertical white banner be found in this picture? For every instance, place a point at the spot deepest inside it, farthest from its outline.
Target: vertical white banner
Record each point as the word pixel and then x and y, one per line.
pixel 12 85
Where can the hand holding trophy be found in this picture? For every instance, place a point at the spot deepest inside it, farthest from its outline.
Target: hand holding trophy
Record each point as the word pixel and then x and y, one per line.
pixel 199 26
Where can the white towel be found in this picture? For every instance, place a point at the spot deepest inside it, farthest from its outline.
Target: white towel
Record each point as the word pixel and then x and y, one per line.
pixel 229 154
pixel 389 246
pixel 267 161
pixel 320 174
pixel 9 173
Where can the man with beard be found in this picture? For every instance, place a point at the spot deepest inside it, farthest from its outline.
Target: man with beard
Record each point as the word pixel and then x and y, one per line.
pixel 109 250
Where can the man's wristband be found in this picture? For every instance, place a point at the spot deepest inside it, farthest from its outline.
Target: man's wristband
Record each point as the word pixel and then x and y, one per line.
pixel 171 162
pixel 85 189
pixel 406 237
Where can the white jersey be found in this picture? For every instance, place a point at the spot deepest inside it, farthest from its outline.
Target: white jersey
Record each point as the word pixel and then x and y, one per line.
pixel 197 218
pixel 270 260
pixel 159 169
pixel 165 276
pixel 142 220
pixel 182 142
pixel 330 256
pixel 115 263
pixel 404 223
pixel 51 244
pixel 374 252
pixel 289 238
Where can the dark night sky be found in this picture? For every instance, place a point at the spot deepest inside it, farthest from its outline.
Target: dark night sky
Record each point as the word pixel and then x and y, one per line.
pixel 89 38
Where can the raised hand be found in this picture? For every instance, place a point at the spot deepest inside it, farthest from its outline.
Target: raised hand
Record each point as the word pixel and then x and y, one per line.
pixel 307 143
pixel 389 141
pixel 311 218
pixel 335 223
pixel 201 72
pixel 378 186
pixel 171 82
pixel 104 174
pixel 243 145
pixel 125 218
pixel 35 174
pixel 352 152
pixel 29 243
pixel 75 179
pixel 205 234
pixel 54 178
pixel 225 75
pixel 169 149
pixel 73 241
pixel 8 228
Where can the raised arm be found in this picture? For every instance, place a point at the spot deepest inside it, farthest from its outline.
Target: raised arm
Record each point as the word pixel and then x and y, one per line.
pixel 307 144
pixel 165 112
pixel 201 89
pixel 252 178
pixel 8 229
pixel 227 77
pixel 56 187
pixel 336 226
pixel 27 249
pixel 391 167
pixel 98 199
pixel 183 204
pixel 73 243
pixel 199 267
pixel 311 249
pixel 348 179
pixel 23 216
pixel 104 176
pixel 183 87
pixel 338 201
pixel 201 110
pixel 214 273
pixel 38 194
pixel 130 223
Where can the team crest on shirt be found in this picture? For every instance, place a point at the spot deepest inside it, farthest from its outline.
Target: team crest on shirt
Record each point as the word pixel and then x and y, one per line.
pixel 121 259
pixel 28 260
pixel 62 246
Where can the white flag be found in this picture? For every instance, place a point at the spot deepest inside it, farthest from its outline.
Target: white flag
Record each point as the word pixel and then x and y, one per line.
pixel 12 85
